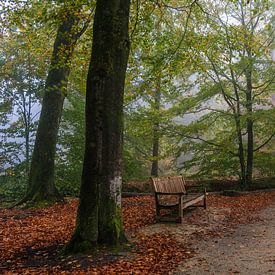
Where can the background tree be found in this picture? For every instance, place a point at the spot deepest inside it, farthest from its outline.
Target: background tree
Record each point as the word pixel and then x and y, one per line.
pixel 21 80
pixel 235 77
pixel 41 182
pixel 153 84
pixel 70 149
pixel 21 91
pixel 184 50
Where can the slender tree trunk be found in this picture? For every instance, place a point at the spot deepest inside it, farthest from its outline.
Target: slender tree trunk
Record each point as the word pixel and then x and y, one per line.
pixel 27 149
pixel 237 117
pixel 249 126
pixel 27 121
pixel 240 148
pixel 155 151
pixel 41 185
pixel 248 104
pixel 99 217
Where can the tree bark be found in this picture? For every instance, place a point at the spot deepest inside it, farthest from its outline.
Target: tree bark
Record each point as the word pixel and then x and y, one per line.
pixel 41 184
pixel 99 217
pixel 240 148
pixel 155 150
pixel 249 126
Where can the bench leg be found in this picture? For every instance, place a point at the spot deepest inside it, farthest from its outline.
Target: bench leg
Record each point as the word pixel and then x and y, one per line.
pixel 204 199
pixel 157 208
pixel 180 209
pixel 157 213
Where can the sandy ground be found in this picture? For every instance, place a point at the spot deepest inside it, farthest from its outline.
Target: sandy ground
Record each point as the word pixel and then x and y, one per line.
pixel 219 247
pixel 248 249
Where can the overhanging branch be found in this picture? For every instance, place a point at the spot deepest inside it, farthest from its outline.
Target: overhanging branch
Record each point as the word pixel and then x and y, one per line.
pixel 261 146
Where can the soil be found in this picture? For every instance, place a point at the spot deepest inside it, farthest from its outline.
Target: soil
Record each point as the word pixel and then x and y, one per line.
pixel 249 249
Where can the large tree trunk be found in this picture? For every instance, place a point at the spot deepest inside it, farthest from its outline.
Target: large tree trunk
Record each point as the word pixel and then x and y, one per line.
pixel 41 185
pixel 99 217
pixel 155 151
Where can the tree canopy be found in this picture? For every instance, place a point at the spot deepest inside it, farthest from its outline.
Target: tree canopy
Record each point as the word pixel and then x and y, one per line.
pixel 199 89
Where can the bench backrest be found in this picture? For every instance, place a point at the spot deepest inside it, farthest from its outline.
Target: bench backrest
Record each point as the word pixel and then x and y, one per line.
pixel 170 185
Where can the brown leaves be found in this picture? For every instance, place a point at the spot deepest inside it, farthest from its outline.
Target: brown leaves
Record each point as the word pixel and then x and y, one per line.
pixel 30 239
pixel 138 211
pixel 156 254
pixel 242 208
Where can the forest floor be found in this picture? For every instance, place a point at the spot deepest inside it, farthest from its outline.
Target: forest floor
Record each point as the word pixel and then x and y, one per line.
pixel 248 249
pixel 233 235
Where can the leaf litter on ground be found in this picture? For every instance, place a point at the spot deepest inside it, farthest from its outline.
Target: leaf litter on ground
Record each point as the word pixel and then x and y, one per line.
pixel 31 239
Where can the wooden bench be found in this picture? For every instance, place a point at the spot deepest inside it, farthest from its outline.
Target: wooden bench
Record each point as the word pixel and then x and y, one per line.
pixel 170 193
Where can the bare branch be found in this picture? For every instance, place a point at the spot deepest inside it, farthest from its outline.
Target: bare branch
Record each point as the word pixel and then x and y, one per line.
pixel 261 146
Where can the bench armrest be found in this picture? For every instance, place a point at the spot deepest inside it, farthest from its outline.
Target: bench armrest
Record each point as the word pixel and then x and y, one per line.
pixel 177 194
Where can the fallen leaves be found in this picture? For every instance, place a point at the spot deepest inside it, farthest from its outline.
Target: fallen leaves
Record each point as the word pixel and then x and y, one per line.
pixel 242 208
pixel 30 239
pixel 138 212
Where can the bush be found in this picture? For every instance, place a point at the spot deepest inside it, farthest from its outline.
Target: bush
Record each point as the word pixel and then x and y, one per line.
pixel 12 187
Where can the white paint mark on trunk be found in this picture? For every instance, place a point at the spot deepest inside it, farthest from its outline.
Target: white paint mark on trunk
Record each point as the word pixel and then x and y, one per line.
pixel 115 189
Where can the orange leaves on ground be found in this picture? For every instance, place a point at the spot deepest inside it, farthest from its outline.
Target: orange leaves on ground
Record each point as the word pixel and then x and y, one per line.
pixel 26 233
pixel 242 208
pixel 138 211
pixel 156 254
pixel 30 239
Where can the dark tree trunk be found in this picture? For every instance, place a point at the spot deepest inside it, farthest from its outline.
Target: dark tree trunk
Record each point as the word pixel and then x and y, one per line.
pixel 240 149
pixel 237 117
pixel 41 185
pixel 27 149
pixel 249 126
pixel 155 151
pixel 27 121
pixel 99 218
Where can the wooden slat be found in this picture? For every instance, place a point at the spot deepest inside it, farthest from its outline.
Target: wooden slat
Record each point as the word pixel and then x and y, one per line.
pixel 192 196
pixel 171 185
pixel 192 201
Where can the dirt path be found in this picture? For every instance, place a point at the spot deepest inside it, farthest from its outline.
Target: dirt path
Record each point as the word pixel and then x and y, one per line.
pixel 249 249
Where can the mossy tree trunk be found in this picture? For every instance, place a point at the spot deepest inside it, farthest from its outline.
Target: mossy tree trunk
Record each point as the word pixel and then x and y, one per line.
pixel 41 184
pixel 99 217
